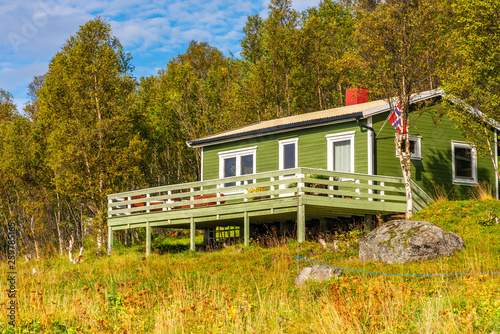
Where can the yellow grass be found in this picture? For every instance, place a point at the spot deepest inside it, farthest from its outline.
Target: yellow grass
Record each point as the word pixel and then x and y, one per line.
pixel 251 290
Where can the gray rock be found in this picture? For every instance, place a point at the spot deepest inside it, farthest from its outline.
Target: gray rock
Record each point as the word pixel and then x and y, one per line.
pixel 401 241
pixel 317 273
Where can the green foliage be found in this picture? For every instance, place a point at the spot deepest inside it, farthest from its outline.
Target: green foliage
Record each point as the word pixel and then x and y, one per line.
pixel 473 77
pixel 7 107
pixel 91 148
pixel 90 129
pixel 401 54
pixel 241 288
pixel 296 62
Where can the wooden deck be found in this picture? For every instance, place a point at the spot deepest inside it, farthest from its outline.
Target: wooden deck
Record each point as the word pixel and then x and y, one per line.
pixel 298 194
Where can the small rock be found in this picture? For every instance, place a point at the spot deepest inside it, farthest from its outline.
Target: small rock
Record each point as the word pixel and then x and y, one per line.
pixel 322 243
pixel 317 273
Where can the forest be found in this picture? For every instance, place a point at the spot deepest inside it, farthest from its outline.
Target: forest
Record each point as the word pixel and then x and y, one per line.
pixel 92 128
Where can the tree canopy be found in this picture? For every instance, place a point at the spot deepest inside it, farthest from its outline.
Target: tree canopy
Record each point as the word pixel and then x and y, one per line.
pixel 90 128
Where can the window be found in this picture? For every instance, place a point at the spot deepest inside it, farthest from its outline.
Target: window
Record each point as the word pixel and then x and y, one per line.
pixel 341 152
pixel 237 163
pixel 415 147
pixel 288 153
pixel 464 163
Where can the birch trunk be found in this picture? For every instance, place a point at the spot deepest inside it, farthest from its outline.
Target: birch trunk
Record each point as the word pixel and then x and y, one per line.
pixel 58 224
pixel 405 162
pixel 490 150
pixel 37 251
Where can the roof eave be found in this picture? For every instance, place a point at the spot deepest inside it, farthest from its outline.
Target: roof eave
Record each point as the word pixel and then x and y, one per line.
pixel 262 132
pixel 415 99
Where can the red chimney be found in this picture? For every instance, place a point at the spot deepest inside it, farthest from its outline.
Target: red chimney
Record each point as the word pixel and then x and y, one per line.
pixel 356 95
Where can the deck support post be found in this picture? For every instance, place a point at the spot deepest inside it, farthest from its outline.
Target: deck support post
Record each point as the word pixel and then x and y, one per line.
pixel 369 222
pixel 192 234
pixel 148 239
pixel 301 223
pixel 322 225
pixel 110 240
pixel 246 229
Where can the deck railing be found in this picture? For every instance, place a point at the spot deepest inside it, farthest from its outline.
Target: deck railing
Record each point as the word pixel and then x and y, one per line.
pixel 264 186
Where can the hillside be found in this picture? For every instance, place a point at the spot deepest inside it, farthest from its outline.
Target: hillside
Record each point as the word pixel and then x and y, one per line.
pixel 237 289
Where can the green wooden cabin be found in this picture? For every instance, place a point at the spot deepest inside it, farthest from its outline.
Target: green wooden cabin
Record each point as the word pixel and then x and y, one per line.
pixel 305 171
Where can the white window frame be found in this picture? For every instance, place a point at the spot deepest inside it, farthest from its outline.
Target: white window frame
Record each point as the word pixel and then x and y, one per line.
pixel 282 144
pixel 281 154
pixel 336 137
pixel 461 180
pixel 237 154
pixel 418 148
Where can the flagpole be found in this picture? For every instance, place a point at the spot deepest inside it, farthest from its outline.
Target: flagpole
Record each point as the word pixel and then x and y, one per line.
pixel 390 112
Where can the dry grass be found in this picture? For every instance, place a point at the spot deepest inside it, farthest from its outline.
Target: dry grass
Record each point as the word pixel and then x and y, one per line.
pixel 240 290
pixel 482 190
pixel 439 193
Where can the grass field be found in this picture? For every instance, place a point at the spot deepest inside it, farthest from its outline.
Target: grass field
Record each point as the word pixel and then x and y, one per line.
pixel 239 290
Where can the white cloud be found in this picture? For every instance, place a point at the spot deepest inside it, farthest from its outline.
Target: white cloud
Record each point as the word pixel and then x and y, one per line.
pixel 154 31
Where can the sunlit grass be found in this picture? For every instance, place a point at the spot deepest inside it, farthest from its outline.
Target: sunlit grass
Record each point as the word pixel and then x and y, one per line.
pixel 250 289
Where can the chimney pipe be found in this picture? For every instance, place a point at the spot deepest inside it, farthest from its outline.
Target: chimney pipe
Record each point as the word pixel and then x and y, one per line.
pixel 356 95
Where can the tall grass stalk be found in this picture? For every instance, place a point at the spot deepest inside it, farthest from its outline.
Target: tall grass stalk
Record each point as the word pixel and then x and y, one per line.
pixel 250 289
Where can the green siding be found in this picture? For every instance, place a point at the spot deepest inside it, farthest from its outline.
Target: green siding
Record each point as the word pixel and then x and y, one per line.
pixel 437 132
pixel 435 128
pixel 312 149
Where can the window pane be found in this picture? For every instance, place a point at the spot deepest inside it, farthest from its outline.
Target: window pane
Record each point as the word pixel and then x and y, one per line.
pixel 413 144
pixel 229 170
pixel 247 164
pixel 342 156
pixel 289 156
pixel 463 162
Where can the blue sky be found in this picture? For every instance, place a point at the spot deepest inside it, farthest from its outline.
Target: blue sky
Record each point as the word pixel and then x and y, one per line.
pixel 32 31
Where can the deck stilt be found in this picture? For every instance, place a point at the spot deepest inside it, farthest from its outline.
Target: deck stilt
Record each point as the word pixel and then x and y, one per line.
pixel 110 240
pixel 301 223
pixel 246 229
pixel 148 239
pixel 192 234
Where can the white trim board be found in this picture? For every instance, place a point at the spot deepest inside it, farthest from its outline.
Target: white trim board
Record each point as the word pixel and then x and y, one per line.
pixel 284 142
pixel 336 137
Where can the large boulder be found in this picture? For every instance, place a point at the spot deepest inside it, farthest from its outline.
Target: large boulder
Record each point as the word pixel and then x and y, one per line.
pixel 400 241
pixel 317 273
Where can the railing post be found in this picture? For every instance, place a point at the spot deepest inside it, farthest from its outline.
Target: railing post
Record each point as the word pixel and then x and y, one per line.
pixel 129 206
pixel 110 208
pixel 246 229
pixel 110 240
pixel 272 186
pixel 192 234
pixel 218 193
pixel 148 239
pixel 191 198
pixel 331 187
pixel 301 223
pixel 300 184
pixel 370 190
pixel 357 189
pixel 148 203
pixel 169 200
pixel 382 192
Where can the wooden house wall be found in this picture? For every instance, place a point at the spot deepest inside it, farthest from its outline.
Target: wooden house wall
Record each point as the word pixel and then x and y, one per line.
pixel 435 166
pixel 312 149
pixel 437 132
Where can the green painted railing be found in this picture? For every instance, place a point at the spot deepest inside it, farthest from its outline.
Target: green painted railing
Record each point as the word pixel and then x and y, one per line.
pixel 263 186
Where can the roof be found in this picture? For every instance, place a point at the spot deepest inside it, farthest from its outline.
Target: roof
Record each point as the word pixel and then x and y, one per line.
pixel 362 110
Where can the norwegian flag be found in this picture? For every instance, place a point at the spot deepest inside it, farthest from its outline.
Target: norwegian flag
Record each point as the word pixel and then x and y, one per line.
pixel 396 119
